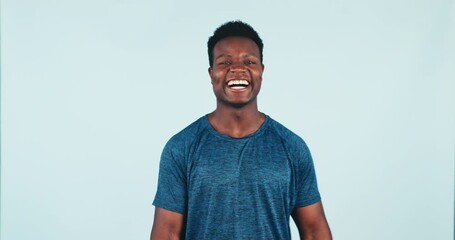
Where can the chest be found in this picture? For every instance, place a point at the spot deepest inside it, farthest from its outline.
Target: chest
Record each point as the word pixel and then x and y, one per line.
pixel 248 166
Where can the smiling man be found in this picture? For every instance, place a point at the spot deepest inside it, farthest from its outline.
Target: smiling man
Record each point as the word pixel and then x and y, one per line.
pixel 236 173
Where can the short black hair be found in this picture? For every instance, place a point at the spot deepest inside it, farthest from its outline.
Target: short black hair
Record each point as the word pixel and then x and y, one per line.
pixel 233 29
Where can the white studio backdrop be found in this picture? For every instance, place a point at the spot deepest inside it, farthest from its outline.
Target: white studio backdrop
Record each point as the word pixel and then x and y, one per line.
pixel 92 90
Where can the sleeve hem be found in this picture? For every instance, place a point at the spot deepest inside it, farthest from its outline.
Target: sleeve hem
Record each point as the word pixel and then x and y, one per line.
pixel 168 207
pixel 307 202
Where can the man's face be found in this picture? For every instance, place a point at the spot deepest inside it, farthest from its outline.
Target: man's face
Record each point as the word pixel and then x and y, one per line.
pixel 237 71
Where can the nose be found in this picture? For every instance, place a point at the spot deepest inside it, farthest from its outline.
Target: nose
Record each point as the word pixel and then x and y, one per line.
pixel 237 67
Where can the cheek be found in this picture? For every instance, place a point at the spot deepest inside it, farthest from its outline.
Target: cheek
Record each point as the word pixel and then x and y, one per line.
pixel 257 75
pixel 217 76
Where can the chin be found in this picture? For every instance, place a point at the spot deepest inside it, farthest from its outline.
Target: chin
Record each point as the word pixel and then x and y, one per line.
pixel 238 104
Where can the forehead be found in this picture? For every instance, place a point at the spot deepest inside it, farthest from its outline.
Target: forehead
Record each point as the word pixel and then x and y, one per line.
pixel 236 44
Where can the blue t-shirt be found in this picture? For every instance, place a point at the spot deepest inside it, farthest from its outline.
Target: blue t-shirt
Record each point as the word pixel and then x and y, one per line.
pixel 236 188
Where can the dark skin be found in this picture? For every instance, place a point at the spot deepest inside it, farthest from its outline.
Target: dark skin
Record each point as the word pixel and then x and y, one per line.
pixel 237 62
pixel 236 114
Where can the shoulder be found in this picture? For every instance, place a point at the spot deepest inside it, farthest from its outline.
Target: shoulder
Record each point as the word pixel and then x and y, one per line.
pixel 284 133
pixel 188 135
pixel 293 142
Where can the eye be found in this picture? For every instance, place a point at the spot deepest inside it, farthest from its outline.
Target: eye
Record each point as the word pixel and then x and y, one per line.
pixel 249 62
pixel 225 63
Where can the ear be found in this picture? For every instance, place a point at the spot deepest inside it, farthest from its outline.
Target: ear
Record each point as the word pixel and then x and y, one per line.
pixel 263 68
pixel 210 70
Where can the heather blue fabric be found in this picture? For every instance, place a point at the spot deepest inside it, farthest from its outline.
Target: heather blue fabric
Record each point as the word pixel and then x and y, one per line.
pixel 236 188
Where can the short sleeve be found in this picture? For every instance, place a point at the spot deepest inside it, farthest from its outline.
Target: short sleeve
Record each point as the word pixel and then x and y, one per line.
pixel 172 188
pixel 307 188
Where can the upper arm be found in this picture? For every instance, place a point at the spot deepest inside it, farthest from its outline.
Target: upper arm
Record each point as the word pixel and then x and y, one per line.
pixel 171 193
pixel 307 192
pixel 167 225
pixel 311 222
pixel 171 196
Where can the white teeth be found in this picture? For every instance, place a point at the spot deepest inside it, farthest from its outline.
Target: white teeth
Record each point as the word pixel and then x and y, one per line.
pixel 238 82
pixel 238 87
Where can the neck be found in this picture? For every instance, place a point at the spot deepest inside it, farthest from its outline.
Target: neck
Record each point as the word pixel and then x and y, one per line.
pixel 236 122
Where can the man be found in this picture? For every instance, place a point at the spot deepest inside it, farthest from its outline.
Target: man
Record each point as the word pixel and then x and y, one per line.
pixel 236 173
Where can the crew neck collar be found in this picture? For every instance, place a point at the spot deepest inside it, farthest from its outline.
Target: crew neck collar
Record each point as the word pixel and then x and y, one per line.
pixel 225 136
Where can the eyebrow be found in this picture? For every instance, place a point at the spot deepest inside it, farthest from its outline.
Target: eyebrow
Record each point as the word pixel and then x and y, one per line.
pixel 223 55
pixel 243 56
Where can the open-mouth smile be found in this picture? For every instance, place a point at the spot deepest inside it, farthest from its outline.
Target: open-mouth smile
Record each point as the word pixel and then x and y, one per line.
pixel 238 84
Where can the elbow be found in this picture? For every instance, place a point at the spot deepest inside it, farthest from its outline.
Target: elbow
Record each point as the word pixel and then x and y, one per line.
pixel 319 233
